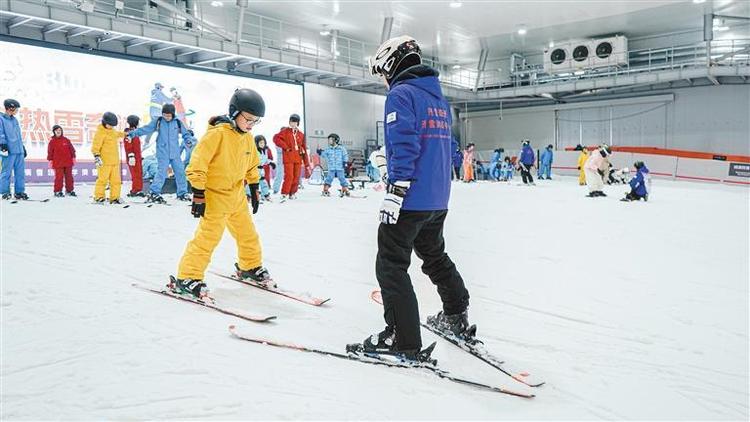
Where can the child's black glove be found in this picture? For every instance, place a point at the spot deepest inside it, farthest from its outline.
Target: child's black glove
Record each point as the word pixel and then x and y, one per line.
pixel 199 203
pixel 254 201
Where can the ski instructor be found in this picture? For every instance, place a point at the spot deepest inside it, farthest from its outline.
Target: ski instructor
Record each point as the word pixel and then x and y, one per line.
pixel 419 147
pixel 224 161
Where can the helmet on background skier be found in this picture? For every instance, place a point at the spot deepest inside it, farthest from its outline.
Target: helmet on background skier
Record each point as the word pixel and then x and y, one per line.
pixel 605 150
pixel 248 101
pixel 525 142
pixel 294 118
pixel 11 103
pixel 133 120
pixel 638 165
pixel 394 56
pixel 55 127
pixel 109 118
pixel 335 137
pixel 158 85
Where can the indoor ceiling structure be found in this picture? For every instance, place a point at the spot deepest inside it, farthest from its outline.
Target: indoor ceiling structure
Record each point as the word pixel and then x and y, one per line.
pixel 471 42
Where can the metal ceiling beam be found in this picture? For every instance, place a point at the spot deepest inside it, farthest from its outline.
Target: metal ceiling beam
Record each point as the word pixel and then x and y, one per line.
pixel 136 42
pixel 732 54
pixel 385 33
pixel 19 22
pixel 214 60
pixel 713 79
pixel 187 53
pixel 482 63
pixel 215 29
pixel 49 28
pixel 112 38
pixel 159 50
pixel 81 31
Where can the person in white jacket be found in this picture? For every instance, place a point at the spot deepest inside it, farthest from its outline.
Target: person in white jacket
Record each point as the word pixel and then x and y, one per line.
pixel 596 167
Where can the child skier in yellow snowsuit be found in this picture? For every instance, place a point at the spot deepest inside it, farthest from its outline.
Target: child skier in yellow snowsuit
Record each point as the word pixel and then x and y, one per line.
pixel 582 157
pixel 106 150
pixel 222 163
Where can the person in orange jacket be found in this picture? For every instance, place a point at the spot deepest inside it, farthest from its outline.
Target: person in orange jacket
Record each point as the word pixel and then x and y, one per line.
pixel 469 163
pixel 291 140
pixel 106 151
pixel 134 158
pixel 62 156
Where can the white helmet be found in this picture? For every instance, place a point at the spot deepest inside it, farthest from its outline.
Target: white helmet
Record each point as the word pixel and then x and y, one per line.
pixel 391 53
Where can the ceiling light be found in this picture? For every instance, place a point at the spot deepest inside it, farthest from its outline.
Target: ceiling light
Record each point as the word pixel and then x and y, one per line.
pixel 547 95
pixel 699 1
pixel 522 30
pixel 456 66
pixel 721 28
pixel 325 32
pixel 551 44
pixel 579 72
pixel 216 3
pixel 338 53
pixel 455 4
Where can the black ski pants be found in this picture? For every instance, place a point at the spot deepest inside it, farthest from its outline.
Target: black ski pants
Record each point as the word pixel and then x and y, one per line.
pixel 526 174
pixel 421 231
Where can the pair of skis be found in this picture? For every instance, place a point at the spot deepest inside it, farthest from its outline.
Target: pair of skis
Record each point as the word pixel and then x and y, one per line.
pixel 211 303
pixel 15 201
pixel 474 348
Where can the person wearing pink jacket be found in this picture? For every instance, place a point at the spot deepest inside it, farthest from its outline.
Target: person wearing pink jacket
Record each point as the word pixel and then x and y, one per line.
pixel 595 168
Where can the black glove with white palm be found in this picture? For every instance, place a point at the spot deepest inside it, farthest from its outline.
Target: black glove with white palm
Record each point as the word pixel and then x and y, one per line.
pixel 394 198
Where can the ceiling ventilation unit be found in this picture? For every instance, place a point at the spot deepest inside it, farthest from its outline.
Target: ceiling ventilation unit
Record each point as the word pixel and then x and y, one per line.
pixel 557 59
pixel 586 54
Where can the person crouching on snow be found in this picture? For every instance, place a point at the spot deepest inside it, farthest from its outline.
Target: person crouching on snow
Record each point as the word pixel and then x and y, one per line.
pixel 638 184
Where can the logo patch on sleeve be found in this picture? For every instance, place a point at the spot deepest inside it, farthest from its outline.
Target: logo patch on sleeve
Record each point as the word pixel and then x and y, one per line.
pixel 391 117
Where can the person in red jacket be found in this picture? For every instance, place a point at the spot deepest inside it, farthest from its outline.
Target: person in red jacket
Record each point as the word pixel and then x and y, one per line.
pixel 134 158
pixel 61 154
pixel 291 140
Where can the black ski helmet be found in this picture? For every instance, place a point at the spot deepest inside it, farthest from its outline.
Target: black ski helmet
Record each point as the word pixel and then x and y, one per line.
pixel 294 118
pixel 336 138
pixel 638 165
pixel 549 146
pixel 55 127
pixel 109 118
pixel 246 100
pixel 605 150
pixel 525 142
pixel 133 120
pixel 11 103
pixel 578 147
pixel 168 109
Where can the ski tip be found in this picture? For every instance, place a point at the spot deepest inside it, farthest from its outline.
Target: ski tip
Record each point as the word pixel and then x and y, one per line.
pixel 321 302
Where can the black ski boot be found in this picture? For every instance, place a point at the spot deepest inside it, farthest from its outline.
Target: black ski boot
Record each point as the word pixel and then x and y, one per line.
pixel 184 197
pixel 384 343
pixel 457 324
pixel 72 193
pixel 155 198
pixel 259 275
pixel 21 196
pixel 195 288
pixel 117 201
pixel 6 196
pixel 100 201
pixel 59 195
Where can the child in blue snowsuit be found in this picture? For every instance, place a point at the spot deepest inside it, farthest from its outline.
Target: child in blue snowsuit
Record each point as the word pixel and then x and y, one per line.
pixel 336 157
pixel 265 190
pixel 638 184
pixel 495 164
pixel 188 145
pixel 546 164
pixel 507 169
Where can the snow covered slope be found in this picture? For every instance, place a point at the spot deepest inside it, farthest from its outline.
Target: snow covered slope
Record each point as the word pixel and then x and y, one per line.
pixel 627 310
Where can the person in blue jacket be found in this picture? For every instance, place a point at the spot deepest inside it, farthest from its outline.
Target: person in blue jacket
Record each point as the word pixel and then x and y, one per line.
pixel 168 151
pixel 545 167
pixel 419 148
pixel 507 169
pixel 278 177
pixel 188 145
pixel 496 164
pixel 156 102
pixel 526 162
pixel 12 151
pixel 150 168
pixel 336 158
pixel 638 184
pixel 458 162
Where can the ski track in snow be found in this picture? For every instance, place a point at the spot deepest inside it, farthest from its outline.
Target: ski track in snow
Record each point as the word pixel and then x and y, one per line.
pixel 626 310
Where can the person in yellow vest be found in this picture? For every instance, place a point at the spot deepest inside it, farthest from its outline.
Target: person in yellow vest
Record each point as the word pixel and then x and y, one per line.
pixel 581 162
pixel 223 162
pixel 106 150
